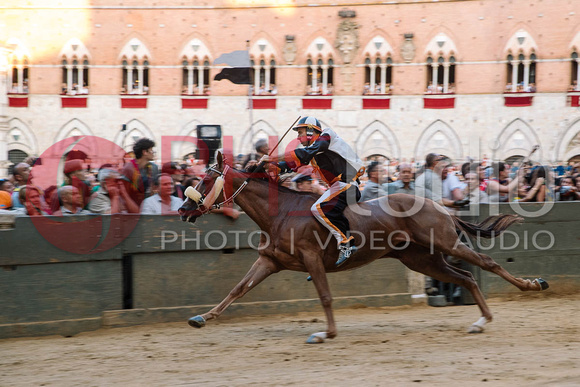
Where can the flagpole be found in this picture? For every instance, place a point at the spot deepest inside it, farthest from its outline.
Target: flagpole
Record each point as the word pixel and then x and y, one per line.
pixel 250 104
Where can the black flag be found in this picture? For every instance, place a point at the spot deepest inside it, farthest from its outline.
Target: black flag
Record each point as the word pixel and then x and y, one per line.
pixel 239 72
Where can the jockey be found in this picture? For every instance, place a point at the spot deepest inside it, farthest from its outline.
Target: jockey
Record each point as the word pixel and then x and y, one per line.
pixel 338 165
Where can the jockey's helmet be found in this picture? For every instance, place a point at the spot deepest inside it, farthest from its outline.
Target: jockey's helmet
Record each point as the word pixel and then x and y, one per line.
pixel 309 123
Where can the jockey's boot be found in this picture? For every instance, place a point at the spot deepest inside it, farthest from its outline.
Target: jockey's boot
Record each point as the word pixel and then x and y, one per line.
pixel 345 251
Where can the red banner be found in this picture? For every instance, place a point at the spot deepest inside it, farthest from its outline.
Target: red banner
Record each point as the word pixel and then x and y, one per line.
pixel 74 102
pixel 525 100
pixel 134 103
pixel 376 103
pixel 264 103
pixel 316 103
pixel 18 101
pixel 438 103
pixel 194 103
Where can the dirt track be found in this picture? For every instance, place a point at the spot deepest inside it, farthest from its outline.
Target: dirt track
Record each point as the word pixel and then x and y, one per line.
pixel 533 341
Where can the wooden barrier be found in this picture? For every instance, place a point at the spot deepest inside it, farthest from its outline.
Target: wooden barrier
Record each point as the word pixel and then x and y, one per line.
pixel 166 270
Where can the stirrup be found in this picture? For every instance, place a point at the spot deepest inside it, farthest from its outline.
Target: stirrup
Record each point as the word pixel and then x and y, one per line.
pixel 345 253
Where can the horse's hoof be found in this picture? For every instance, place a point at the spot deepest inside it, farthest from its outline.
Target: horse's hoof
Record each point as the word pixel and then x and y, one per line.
pixel 196 322
pixel 316 338
pixel 475 329
pixel 543 284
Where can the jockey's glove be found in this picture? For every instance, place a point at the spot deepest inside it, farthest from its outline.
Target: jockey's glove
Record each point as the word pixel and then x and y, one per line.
pixel 461 203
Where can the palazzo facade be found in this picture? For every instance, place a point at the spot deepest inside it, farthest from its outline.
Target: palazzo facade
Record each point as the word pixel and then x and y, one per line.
pixel 476 79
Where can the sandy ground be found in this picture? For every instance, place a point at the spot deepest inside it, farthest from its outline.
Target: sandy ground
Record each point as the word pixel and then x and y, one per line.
pixel 533 341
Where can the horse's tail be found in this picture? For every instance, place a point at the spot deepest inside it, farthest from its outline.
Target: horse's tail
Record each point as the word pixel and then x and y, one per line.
pixel 491 227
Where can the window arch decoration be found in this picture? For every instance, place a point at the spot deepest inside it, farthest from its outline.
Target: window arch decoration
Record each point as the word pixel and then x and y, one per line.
pixel 378 66
pixel 263 61
pixel 195 61
pixel 135 57
pixel 320 67
pixel 441 54
pixel 75 68
pixel 18 67
pixel 520 52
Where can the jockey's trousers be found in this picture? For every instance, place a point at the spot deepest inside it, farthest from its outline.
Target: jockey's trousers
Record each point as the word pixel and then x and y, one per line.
pixel 329 208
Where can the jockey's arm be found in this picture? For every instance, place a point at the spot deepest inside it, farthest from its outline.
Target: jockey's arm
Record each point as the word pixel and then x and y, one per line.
pixel 300 156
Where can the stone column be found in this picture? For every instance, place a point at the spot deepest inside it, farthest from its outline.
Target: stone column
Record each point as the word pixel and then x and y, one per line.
pixel 434 76
pixel 383 67
pixel 200 79
pixel 577 74
pixel 267 78
pixel 526 74
pixel 324 78
pixel 446 77
pixel 256 79
pixel 314 78
pixel 373 77
pixel 80 70
pixel 515 77
pixel 69 76
pixel 129 79
pixel 140 78
pixel 189 79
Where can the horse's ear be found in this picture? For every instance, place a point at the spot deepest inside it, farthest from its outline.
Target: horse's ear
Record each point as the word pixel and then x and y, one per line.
pixel 220 159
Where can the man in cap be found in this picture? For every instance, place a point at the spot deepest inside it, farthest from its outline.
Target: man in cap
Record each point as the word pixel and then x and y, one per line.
pixel 303 183
pixel 337 164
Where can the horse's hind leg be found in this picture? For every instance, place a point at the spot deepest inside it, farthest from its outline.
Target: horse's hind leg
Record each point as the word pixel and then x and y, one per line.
pixel 487 263
pixel 419 259
pixel 260 270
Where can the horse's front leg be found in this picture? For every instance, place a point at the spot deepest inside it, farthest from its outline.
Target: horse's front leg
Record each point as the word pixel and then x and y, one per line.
pixel 316 270
pixel 260 270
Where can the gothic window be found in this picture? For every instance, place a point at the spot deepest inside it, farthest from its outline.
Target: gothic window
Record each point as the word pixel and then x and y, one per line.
pixel 75 76
pixel 264 77
pixel 320 77
pixel 521 73
pixel 378 76
pixel 440 74
pixel 195 77
pixel 135 76
pixel 575 72
pixel 18 76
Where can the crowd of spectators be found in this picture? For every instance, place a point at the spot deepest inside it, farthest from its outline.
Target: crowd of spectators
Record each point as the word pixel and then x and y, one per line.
pixel 520 88
pixel 139 186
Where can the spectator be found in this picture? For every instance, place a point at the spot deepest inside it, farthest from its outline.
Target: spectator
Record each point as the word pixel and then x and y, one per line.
pixel 76 175
pixel 162 202
pixel 430 185
pixel 29 196
pixel 472 189
pixel 49 196
pixel 568 190
pixel 112 196
pixel 177 173
pixel 5 201
pixel 303 183
pixel 139 173
pixel 452 187
pixel 262 148
pixel 71 202
pixel 403 183
pixel 6 185
pixel 373 189
pixel 22 174
pixel 538 190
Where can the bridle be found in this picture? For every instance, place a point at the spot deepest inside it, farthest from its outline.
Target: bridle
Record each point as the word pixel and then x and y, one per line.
pixel 199 198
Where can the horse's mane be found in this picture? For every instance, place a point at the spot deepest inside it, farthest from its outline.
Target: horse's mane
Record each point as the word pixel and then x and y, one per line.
pixel 268 179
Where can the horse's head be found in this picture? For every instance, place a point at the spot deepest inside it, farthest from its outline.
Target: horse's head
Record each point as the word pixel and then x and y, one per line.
pixel 201 198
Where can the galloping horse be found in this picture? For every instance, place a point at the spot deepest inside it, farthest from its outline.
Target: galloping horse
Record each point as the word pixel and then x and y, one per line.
pixel 419 241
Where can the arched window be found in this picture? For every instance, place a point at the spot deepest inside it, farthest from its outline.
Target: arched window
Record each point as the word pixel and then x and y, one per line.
pixel 135 76
pixel 575 72
pixel 75 76
pixel 18 76
pixel 264 77
pixel 378 76
pixel 17 156
pixel 320 77
pixel 521 73
pixel 440 75
pixel 195 77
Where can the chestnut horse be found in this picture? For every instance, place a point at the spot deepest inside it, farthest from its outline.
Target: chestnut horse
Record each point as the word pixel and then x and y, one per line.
pixel 419 238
